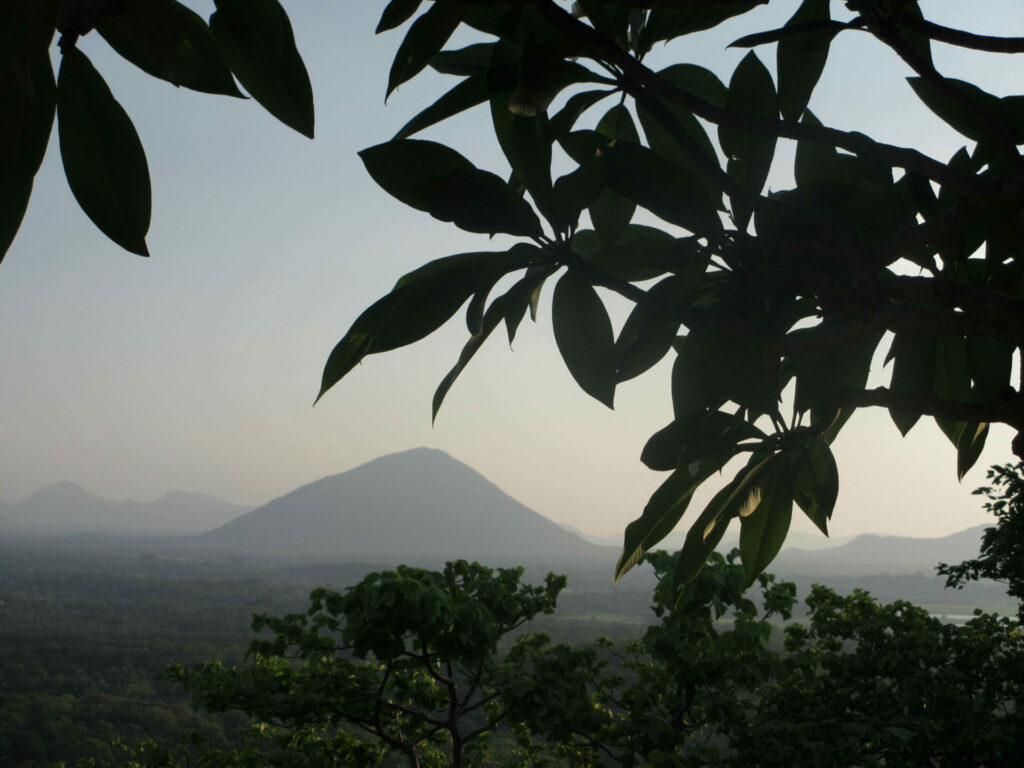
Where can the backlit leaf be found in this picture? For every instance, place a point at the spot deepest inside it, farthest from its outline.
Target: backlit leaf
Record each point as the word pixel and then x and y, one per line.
pixel 103 158
pixel 583 333
pixel 256 39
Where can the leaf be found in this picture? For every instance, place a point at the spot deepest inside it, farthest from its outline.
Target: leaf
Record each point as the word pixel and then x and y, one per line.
pixel 167 40
pixel 574 193
pixel 256 39
pixel 969 448
pixel 583 333
pixel 424 40
pixel 103 158
pixel 26 121
pixel 790 30
pixel 649 330
pixel 611 212
pixel 465 62
pixel 763 531
pixel 396 14
pixel 564 120
pixel 665 24
pixel 698 436
pixel 751 91
pixel 709 528
pixel 913 371
pixel 501 308
pixel 697 81
pixel 952 373
pixel 420 303
pixel 666 190
pixel 641 253
pixel 467 94
pixel 822 372
pixel 990 362
pixel 965 120
pixel 815 481
pixel 661 140
pixel 661 514
pixel 801 57
pixel 438 180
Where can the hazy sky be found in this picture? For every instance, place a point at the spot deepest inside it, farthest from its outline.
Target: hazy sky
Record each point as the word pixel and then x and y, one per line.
pixel 196 369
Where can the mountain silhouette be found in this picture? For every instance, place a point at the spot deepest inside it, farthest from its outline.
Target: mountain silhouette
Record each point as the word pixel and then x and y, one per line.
pixel 416 505
pixel 66 507
pixel 874 554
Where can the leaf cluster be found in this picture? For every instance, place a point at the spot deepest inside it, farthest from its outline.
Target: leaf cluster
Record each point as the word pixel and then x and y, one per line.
pixel 771 304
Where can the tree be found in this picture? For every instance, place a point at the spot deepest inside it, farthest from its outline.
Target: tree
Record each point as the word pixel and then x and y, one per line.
pixel 719 678
pixel 405 662
pixel 1002 547
pixel 876 245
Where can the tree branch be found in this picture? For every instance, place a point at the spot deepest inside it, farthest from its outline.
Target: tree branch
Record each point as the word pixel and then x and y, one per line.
pixel 963 39
pixel 858 143
pixel 999 411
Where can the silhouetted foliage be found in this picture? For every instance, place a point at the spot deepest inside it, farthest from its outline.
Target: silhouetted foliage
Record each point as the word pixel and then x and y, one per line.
pixel 1002 548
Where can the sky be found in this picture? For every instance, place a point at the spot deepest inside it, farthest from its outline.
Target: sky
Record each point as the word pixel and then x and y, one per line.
pixel 196 369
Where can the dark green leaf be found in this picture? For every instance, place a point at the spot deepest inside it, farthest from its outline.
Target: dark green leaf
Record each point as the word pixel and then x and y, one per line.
pixel 665 24
pixel 256 39
pixel 584 337
pixel 433 178
pixel 420 303
pixel 990 362
pixel 469 93
pixel 396 14
pixel 698 436
pixel 969 448
pixel 793 28
pixel 103 159
pixel 966 119
pixel 641 253
pixel 611 212
pixel 696 159
pixel 562 122
pixel 661 514
pixel 801 56
pixel 843 363
pixel 25 124
pixel 666 190
pixel 913 371
pixel 167 40
pixel 763 529
pixel 952 373
pixel 735 498
pixel 465 62
pixel 573 193
pixel 650 329
pixel 815 481
pixel 424 40
pixel 751 91
pixel 697 81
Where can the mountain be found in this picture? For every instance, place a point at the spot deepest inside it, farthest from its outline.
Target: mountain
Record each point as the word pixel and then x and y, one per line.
pixel 417 505
pixel 674 540
pixel 872 554
pixel 67 508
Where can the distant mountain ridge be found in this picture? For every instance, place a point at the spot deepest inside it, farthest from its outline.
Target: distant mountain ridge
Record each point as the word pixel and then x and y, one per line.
pixel 874 554
pixel 66 507
pixel 420 504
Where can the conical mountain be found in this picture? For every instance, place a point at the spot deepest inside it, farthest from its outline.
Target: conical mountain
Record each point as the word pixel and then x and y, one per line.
pixel 416 505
